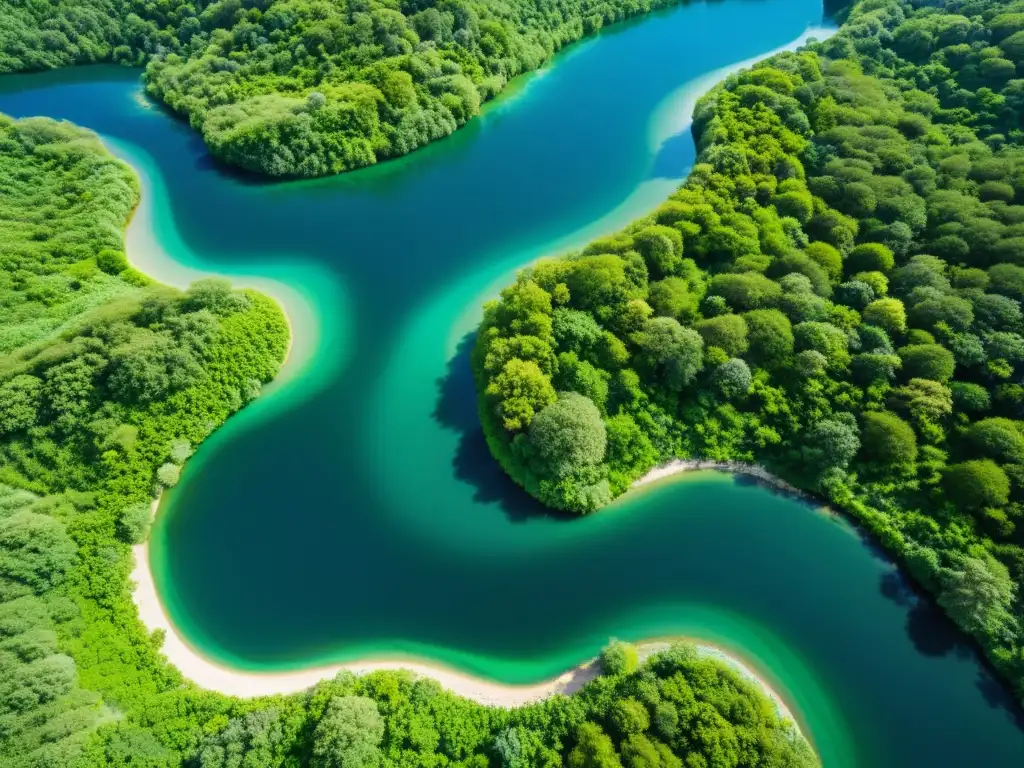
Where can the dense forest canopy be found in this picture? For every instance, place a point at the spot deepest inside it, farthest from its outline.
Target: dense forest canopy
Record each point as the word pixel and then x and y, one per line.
pixel 107 383
pixel 835 292
pixel 308 88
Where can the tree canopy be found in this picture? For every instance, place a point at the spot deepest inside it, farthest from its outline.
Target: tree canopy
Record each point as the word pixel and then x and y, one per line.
pixel 299 88
pixel 834 292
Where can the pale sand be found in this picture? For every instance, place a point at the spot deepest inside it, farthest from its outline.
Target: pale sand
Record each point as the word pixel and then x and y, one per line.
pixel 234 682
pixel 756 471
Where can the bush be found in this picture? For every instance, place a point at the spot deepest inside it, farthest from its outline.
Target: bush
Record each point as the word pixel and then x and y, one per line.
pixel 111 262
pixel 168 475
pixel 618 658
pixel 135 523
pixel 976 485
pixel 927 361
pixel 887 440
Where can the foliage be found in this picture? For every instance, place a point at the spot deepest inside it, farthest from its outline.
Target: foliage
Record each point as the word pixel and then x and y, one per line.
pixel 348 734
pixel 103 381
pixel 104 398
pixel 834 292
pixel 618 658
pixel 300 88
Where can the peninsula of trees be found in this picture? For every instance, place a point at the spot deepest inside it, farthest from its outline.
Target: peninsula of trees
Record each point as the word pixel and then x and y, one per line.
pixel 308 87
pixel 108 381
pixel 834 292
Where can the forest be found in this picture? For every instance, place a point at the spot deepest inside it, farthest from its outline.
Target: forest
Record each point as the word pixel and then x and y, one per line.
pixel 294 88
pixel 108 382
pixel 834 293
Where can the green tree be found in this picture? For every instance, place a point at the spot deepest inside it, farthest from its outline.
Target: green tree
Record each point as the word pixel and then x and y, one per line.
pixel 168 474
pixel 824 338
pixel 1007 279
pixel 254 740
pixel 977 484
pixel 888 314
pixel 20 398
pixel 35 553
pixel 887 440
pixel 769 337
pixel 662 249
pixel 871 366
pixel 630 452
pixel 728 332
pixel 828 257
pixel 618 658
pixel 594 749
pixel 638 751
pixel 629 716
pixel 520 747
pixel 855 293
pixel 927 361
pixel 998 438
pixel 575 375
pixel 746 291
pixel 969 397
pixel 112 262
pixel 733 378
pixel 977 594
pixel 669 353
pixel 674 297
pixel 135 523
pixel 870 257
pixel 575 331
pixel 519 392
pixel 348 734
pixel 831 444
pixel 568 435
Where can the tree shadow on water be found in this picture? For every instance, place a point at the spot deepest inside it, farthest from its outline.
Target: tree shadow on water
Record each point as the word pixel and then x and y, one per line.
pixel 675 157
pixel 456 410
pixel 934 634
pixel 929 629
pixel 997 697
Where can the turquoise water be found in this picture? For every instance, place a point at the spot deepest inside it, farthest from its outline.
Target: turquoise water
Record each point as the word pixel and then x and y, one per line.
pixel 355 511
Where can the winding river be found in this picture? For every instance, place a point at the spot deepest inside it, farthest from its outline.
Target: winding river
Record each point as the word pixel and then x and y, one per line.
pixel 354 512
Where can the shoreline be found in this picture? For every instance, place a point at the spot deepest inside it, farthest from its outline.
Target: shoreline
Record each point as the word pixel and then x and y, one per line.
pixel 755 471
pixel 148 256
pixel 212 676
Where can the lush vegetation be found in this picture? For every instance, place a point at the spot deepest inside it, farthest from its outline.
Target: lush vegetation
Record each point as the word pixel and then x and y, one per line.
pixel 107 382
pixel 301 88
pixel 834 292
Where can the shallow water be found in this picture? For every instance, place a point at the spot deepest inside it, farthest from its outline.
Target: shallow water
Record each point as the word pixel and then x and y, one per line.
pixel 355 511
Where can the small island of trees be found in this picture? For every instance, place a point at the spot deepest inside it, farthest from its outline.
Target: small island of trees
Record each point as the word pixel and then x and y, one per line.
pixel 299 88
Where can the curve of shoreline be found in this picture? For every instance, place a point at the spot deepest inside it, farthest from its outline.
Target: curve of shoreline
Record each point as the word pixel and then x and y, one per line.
pixel 756 471
pixel 210 675
pixel 247 684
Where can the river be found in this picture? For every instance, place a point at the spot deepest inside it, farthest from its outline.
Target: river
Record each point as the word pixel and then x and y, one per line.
pixel 354 511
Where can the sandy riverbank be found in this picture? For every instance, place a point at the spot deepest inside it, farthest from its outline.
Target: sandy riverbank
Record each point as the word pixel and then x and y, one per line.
pixel 756 471
pixel 300 307
pixel 212 676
